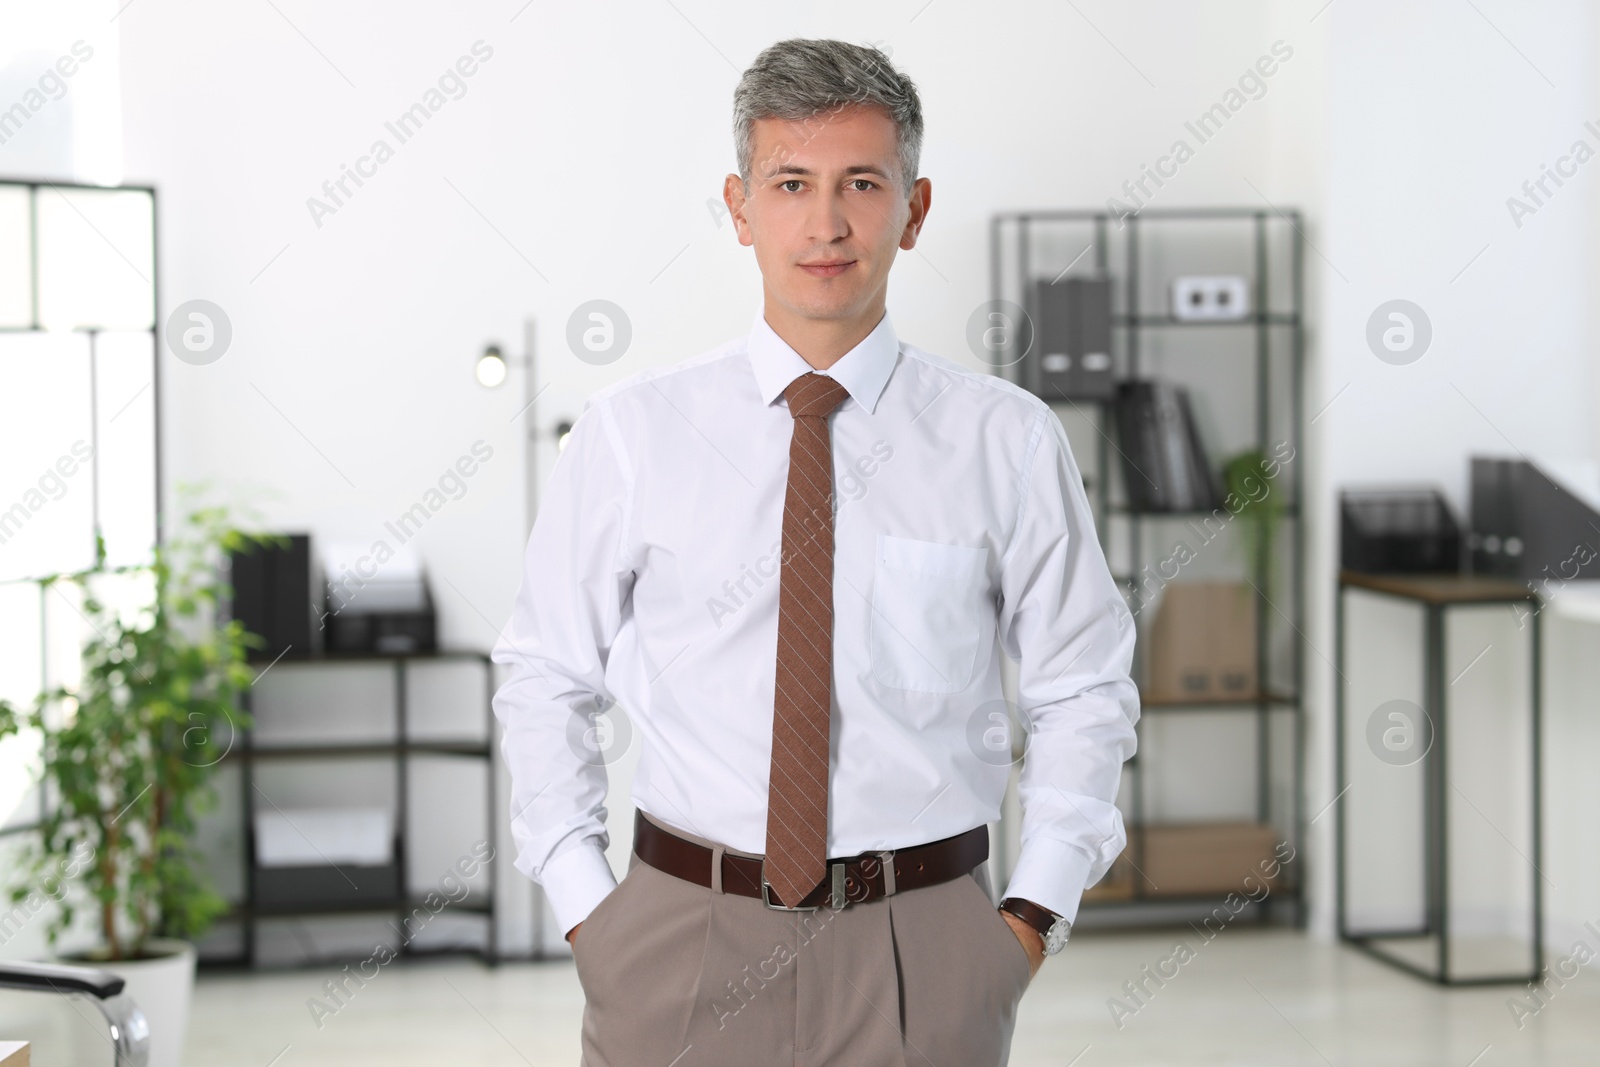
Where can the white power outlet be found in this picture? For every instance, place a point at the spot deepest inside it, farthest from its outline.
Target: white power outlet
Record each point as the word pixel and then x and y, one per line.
pixel 1210 297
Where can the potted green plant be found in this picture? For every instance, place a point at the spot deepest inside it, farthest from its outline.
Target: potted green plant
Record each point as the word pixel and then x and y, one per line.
pixel 128 754
pixel 1258 505
pixel 1249 479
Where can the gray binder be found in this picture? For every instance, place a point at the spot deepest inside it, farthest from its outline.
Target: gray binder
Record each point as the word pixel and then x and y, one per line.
pixel 1526 526
pixel 1073 339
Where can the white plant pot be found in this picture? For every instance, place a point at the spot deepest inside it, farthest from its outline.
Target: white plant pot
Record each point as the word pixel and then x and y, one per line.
pixel 162 987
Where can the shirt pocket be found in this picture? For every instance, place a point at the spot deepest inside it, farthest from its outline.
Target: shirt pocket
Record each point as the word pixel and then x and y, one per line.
pixel 927 614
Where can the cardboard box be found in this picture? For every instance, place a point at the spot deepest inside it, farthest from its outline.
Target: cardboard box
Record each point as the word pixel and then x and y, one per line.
pixel 1116 885
pixel 1191 858
pixel 1202 644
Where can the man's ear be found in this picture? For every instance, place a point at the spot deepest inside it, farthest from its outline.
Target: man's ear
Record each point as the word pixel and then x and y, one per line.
pixel 921 200
pixel 733 196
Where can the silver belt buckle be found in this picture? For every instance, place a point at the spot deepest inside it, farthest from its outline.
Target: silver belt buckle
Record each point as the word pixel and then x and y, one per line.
pixel 837 898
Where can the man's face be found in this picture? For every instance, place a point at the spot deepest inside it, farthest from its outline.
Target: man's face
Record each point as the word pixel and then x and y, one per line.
pixel 826 209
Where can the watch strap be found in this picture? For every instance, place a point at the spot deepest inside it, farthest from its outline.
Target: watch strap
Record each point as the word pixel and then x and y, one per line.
pixel 1041 919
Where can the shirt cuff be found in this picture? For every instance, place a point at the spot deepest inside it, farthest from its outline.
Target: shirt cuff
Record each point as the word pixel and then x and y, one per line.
pixel 575 881
pixel 1052 874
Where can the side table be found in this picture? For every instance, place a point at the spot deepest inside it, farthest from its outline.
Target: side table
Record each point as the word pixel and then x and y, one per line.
pixel 1435 594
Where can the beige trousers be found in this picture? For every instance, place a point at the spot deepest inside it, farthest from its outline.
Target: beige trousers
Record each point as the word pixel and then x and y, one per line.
pixel 679 975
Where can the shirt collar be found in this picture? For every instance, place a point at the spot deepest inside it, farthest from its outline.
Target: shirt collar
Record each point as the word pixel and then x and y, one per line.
pixel 863 371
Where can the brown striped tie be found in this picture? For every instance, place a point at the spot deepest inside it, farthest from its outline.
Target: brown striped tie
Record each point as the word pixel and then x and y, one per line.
pixel 797 793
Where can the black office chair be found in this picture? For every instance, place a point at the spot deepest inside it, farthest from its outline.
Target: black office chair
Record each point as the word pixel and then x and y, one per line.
pixel 130 1033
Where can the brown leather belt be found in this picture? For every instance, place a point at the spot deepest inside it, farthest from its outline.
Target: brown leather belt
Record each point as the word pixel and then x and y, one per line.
pixel 850 880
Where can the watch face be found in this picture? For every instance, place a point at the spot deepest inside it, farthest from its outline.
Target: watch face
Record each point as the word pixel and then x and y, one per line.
pixel 1056 939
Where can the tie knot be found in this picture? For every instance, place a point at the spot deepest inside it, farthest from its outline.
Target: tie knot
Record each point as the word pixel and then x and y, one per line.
pixel 814 395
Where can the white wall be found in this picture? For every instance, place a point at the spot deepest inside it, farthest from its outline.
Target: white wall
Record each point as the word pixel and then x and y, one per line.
pixel 567 144
pixel 581 159
pixel 1436 114
pixel 70 127
pixel 591 141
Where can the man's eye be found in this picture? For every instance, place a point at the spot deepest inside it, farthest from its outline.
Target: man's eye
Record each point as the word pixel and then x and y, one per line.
pixel 863 185
pixel 795 182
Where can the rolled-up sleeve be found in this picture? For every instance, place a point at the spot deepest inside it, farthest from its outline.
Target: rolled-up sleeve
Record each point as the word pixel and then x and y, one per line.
pixel 576 584
pixel 1064 621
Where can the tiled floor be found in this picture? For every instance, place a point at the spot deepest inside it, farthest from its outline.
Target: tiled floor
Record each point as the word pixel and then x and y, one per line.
pixel 1273 998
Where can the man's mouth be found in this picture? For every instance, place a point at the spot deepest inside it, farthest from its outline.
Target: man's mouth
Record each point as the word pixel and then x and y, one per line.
pixel 827 268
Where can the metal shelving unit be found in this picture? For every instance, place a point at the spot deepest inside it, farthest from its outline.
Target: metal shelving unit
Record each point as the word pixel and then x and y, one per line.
pixel 1030 246
pixel 400 750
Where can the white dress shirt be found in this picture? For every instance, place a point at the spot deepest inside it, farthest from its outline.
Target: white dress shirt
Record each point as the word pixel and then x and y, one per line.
pixel 651 580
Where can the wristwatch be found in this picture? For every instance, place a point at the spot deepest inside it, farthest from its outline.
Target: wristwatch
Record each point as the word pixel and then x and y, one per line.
pixel 1053 928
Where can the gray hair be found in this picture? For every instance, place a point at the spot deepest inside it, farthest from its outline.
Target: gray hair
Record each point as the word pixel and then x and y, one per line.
pixel 798 79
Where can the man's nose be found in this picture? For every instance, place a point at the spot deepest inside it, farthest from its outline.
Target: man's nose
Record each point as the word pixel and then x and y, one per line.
pixel 827 221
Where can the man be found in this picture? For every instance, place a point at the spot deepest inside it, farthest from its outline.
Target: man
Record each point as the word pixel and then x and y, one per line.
pixel 814 676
